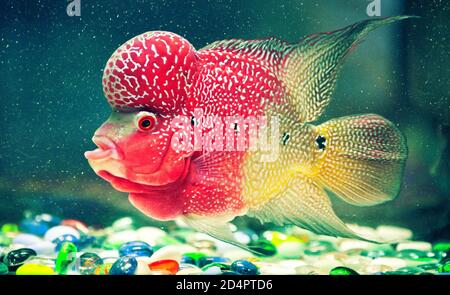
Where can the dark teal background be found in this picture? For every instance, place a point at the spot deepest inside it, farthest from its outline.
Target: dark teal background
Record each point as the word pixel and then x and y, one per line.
pixel 52 101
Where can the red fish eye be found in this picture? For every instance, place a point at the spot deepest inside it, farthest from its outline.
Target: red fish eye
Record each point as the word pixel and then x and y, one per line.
pixel 146 121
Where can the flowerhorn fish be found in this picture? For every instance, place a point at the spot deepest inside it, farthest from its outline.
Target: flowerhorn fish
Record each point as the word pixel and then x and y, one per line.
pixel 207 135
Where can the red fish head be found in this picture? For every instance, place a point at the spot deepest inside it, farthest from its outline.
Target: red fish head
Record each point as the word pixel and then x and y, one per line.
pixel 146 82
pixel 153 70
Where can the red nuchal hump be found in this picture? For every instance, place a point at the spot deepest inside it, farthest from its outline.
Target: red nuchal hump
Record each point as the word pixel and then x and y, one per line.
pixel 150 71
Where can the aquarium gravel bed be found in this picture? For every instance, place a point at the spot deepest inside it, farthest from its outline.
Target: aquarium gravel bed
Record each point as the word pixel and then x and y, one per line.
pixel 47 245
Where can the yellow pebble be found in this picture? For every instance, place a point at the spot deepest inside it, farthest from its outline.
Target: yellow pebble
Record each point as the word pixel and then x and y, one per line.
pixel 35 269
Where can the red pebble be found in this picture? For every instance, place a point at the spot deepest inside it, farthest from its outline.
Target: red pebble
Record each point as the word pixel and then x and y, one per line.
pixel 168 265
pixel 78 225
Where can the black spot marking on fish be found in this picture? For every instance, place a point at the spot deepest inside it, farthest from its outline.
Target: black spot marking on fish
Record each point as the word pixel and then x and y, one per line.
pixel 193 121
pixel 236 127
pixel 321 142
pixel 285 138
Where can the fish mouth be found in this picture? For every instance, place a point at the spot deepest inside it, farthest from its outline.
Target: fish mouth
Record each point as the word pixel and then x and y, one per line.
pixel 106 149
pixel 126 185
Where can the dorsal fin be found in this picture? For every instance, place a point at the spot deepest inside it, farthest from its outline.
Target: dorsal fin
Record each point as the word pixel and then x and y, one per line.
pixel 309 68
pixel 271 51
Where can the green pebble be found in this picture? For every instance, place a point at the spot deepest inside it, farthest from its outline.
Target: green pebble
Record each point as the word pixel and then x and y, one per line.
pixel 3 268
pixel 429 266
pixel 35 269
pixel 222 266
pixel 444 268
pixel 409 270
pixel 66 256
pixel 314 248
pixel 195 256
pixel 343 271
pixel 10 228
pixel 4 240
pixel 263 247
pixel 444 246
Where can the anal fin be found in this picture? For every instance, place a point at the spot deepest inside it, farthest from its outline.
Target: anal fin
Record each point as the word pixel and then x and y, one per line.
pixel 306 205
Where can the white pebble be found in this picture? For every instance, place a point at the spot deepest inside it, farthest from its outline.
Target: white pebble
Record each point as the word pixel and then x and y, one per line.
pixel 309 270
pixel 422 246
pixel 122 237
pixel 173 252
pixel 150 234
pixel 350 244
pixel 26 239
pixel 237 254
pixel 273 269
pixel 213 270
pixel 290 249
pixel 142 268
pixel 109 254
pixel 392 234
pixel 44 248
pixel 389 261
pixel 60 230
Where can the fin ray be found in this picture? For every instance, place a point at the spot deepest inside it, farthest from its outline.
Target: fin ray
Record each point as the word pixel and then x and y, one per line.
pixel 364 159
pixel 306 205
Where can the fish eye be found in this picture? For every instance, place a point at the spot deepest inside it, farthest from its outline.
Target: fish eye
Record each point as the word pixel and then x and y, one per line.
pixel 146 121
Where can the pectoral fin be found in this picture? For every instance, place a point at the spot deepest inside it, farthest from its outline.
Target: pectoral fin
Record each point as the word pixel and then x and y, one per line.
pixel 219 228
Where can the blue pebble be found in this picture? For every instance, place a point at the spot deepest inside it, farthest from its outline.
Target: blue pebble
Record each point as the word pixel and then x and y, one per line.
pixel 32 226
pixel 212 259
pixel 188 260
pixel 48 219
pixel 85 241
pixel 244 267
pixel 126 265
pixel 136 248
pixel 65 238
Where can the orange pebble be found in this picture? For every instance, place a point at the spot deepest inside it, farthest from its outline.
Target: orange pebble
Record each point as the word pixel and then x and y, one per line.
pixel 166 265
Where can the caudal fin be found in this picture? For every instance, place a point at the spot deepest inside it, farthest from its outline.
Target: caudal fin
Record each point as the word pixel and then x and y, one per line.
pixel 363 159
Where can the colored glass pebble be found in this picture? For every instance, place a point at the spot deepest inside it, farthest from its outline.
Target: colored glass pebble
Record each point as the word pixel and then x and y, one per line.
pixel 88 262
pixel 136 248
pixel 443 246
pixel 3 268
pixel 10 228
pixel 341 270
pixel 126 265
pixel 76 224
pixel 17 257
pixel 212 259
pixel 223 266
pixel 445 267
pixel 171 266
pixel 60 230
pixel 244 267
pixel 263 247
pixel 35 269
pixel 192 258
pixel 409 270
pixel 318 247
pixel 65 238
pixel 48 219
pixel 33 227
pixel 66 256
pixel 103 269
